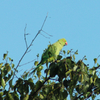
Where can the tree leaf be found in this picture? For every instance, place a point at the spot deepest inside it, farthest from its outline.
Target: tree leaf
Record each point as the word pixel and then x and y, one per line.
pixel 10 59
pixel 1 65
pixel 26 97
pixel 85 58
pixel 75 67
pixel 37 55
pixel 8 68
pixel 13 65
pixel 76 52
pixel 10 83
pixel 68 51
pixel 38 74
pixel 3 83
pixel 64 51
pixel 35 63
pixel 9 96
pixel 95 60
pixel 4 56
pixel 74 57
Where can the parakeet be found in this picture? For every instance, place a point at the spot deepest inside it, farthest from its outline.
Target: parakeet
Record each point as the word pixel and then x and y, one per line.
pixel 51 53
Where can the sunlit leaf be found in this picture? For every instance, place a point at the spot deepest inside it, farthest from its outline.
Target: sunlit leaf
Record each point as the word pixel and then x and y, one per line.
pixel 1 65
pixel 41 96
pixel 8 68
pixel 13 65
pixel 98 64
pixel 10 59
pixel 35 63
pixel 4 56
pixel 9 96
pixel 3 82
pixel 91 80
pixel 68 52
pixel 85 58
pixel 88 93
pixel 91 71
pixel 1 94
pixel 26 97
pixel 47 71
pixel 68 72
pixel 75 67
pixel 38 74
pixel 76 52
pixel 25 75
pixel 74 57
pixel 95 60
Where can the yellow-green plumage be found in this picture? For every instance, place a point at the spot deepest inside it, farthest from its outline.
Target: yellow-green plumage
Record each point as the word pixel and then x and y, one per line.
pixel 51 53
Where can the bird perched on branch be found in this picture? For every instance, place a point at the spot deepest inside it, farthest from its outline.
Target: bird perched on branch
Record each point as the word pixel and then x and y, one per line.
pixel 51 53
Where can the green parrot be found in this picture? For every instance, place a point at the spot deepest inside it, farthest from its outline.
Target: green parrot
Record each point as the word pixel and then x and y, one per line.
pixel 51 53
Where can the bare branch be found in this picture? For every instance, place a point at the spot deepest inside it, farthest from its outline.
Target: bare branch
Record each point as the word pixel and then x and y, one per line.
pixel 44 21
pixel 44 36
pixel 34 93
pixel 28 51
pixel 29 45
pixel 46 33
pixel 25 36
pixel 26 63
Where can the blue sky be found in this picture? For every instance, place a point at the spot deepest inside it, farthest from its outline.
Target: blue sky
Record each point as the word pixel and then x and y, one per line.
pixel 78 21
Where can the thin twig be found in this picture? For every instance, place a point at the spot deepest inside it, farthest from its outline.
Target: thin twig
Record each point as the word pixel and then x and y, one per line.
pixel 44 36
pixel 46 33
pixel 29 47
pixel 25 36
pixel 27 63
pixel 44 21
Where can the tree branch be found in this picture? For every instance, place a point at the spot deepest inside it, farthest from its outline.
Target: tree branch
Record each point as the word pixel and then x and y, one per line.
pixel 27 63
pixel 31 97
pixel 29 46
pixel 25 36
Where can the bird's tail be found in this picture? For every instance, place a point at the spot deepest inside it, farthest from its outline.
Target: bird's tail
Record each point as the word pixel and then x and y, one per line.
pixel 35 69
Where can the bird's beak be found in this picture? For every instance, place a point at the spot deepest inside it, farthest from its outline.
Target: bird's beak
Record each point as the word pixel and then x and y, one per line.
pixel 66 43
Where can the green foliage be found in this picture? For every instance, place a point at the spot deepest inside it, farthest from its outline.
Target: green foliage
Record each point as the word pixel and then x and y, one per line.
pixel 63 77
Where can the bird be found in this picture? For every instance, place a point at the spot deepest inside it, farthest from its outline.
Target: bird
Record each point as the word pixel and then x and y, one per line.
pixel 50 54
